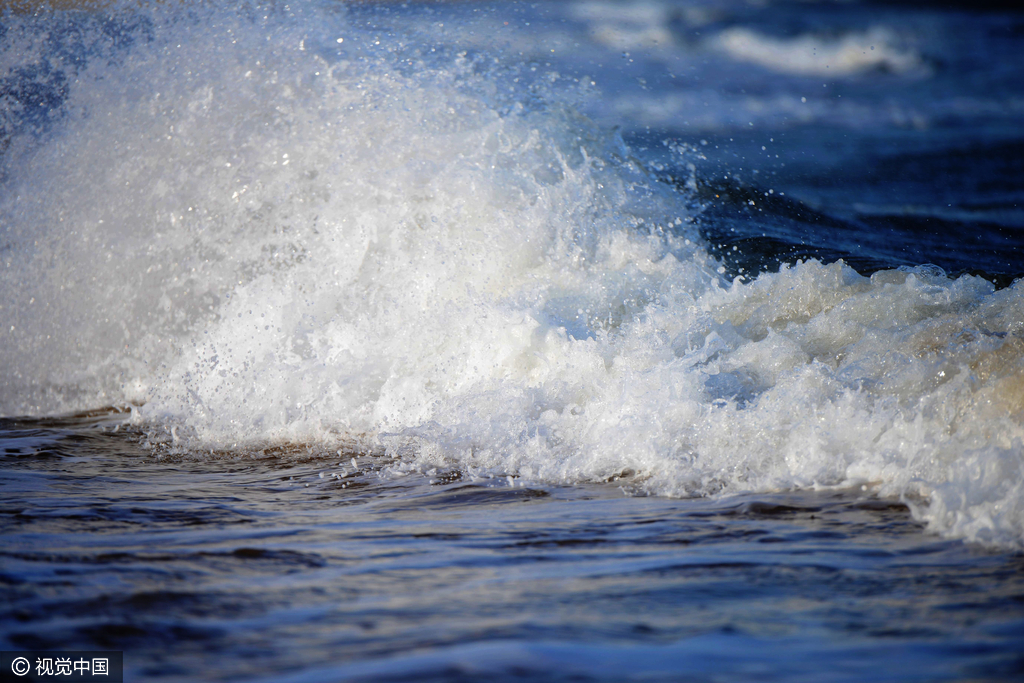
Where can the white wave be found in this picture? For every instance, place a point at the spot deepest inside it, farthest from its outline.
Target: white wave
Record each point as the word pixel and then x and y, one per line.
pixel 638 25
pixel 876 49
pixel 304 230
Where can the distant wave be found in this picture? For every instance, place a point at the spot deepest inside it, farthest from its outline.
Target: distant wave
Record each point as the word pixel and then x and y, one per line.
pixel 807 54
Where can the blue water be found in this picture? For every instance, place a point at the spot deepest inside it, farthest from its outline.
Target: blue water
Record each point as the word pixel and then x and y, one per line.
pixel 257 568
pixel 506 341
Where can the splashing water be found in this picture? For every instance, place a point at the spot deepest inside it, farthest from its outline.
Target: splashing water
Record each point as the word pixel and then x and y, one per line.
pixel 257 232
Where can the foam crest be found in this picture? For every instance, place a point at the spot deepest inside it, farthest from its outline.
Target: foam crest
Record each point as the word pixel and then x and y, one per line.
pixel 263 228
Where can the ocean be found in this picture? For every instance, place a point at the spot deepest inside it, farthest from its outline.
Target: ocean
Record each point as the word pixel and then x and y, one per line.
pixel 459 341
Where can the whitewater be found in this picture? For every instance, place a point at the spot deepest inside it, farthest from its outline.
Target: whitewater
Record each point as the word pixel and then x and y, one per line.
pixel 456 341
pixel 283 227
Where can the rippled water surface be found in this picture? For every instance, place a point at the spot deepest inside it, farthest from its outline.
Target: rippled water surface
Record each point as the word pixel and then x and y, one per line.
pixel 296 566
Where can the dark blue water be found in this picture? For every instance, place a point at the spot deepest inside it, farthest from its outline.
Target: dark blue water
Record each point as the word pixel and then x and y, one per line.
pixel 265 516
pixel 256 568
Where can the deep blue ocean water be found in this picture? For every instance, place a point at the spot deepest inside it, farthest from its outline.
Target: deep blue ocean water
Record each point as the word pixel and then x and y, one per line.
pixel 590 341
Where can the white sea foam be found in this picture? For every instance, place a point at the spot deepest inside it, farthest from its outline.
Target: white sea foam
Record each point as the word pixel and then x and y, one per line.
pixel 306 230
pixel 639 25
pixel 876 49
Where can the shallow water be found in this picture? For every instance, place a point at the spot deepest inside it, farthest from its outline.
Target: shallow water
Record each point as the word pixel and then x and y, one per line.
pixel 563 341
pixel 257 568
